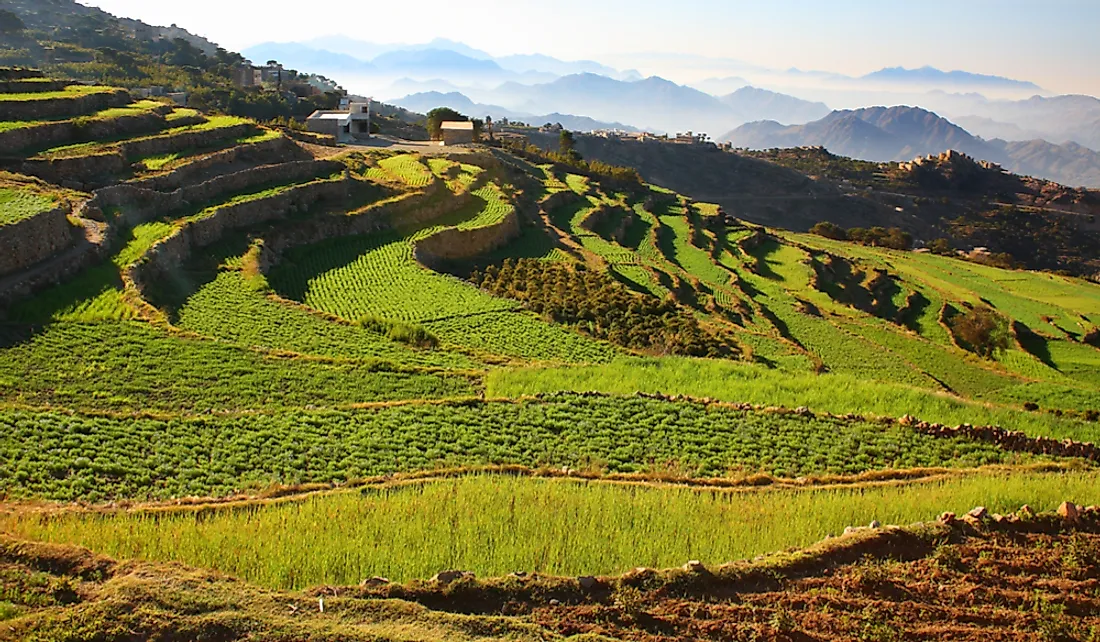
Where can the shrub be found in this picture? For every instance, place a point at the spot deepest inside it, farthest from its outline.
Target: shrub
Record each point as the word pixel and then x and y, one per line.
pixel 408 333
pixel 983 331
pixel 829 231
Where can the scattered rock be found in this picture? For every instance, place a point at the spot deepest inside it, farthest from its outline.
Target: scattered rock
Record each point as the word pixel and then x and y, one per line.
pixel 519 574
pixel 555 602
pixel 979 512
pixel 803 411
pixel 875 525
pixel 998 518
pixel 1026 512
pixel 446 577
pixel 371 582
pixel 695 566
pixel 854 529
pixel 1069 512
pixel 948 518
pixel 588 582
pixel 907 420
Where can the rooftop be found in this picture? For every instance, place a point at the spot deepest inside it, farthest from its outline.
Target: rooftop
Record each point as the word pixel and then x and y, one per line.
pixel 457 124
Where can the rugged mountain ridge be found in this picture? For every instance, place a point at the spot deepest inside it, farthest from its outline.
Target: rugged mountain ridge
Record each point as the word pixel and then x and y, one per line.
pixel 901 133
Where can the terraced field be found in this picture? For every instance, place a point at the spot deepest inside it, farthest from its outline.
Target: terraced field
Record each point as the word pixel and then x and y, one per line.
pixel 289 327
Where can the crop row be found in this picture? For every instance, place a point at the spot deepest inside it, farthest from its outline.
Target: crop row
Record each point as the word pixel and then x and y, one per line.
pixel 100 458
pixel 132 367
pixel 229 310
pixel 521 335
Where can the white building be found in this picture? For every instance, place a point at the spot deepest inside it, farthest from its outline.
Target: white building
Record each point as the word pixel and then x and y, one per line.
pixel 344 125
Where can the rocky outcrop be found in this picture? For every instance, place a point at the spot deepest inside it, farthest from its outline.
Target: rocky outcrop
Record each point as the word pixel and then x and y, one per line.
pixel 34 239
pixel 84 172
pixel 138 204
pixel 47 135
pixel 67 107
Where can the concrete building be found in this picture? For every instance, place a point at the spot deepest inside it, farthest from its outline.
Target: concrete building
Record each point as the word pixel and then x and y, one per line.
pixel 344 125
pixel 457 132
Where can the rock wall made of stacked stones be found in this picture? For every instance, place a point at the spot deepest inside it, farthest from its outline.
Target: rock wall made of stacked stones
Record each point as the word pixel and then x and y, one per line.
pixel 68 107
pixel 138 205
pixel 67 265
pixel 268 152
pixel 66 132
pixel 169 254
pixel 34 239
pixel 418 207
pixel 89 172
pixel 31 86
pixel 457 245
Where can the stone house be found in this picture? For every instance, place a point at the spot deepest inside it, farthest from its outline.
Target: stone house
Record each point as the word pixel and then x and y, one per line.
pixel 456 132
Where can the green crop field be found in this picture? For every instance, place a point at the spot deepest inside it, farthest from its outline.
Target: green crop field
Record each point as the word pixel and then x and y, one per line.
pixel 72 91
pixel 213 455
pixel 18 203
pixel 494 526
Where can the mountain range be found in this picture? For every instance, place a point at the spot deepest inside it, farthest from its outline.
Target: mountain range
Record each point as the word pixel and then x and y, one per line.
pixel 427 101
pixel 902 133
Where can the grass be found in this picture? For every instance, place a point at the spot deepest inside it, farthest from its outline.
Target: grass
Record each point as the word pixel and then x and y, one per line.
pixel 72 91
pixel 18 204
pixel 216 453
pixel 749 383
pixel 494 526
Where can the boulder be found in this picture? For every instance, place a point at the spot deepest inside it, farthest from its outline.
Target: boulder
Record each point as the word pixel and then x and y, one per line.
pixel 1026 512
pixel 695 566
pixel 588 582
pixel 372 582
pixel 907 420
pixel 1069 512
pixel 446 577
pixel 875 525
pixel 948 518
pixel 979 512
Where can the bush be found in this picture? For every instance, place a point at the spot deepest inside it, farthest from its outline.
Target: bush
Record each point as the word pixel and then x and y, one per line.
pixel 983 331
pixel 829 231
pixel 408 333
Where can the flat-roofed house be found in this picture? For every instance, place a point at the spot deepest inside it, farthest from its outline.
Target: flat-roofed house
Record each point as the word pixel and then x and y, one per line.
pixel 456 132
pixel 344 125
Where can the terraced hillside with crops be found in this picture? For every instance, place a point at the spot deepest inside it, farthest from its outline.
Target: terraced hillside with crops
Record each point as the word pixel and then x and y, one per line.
pixel 332 373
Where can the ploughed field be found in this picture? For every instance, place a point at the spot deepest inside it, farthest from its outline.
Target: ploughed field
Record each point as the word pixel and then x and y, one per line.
pixel 308 365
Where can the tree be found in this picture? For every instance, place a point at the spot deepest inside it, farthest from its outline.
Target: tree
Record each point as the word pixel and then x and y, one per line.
pixel 983 330
pixel 941 246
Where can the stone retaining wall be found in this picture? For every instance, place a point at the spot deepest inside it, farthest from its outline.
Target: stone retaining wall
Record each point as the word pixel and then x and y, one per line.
pixel 49 135
pixel 32 86
pixel 82 172
pixel 138 204
pixel 35 239
pixel 71 262
pixel 68 107
pixel 416 207
pixel 269 152
pixel 454 244
pixel 169 254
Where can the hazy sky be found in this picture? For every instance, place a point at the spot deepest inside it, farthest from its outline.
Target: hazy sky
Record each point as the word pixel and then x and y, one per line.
pixel 1050 42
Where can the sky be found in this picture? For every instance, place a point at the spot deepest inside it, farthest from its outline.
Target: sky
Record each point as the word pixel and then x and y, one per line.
pixel 1049 42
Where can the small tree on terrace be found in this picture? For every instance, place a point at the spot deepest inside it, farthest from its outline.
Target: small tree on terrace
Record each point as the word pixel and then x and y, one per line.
pixel 985 331
pixel 830 231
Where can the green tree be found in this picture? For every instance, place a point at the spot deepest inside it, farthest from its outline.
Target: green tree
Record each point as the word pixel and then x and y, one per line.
pixel 829 230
